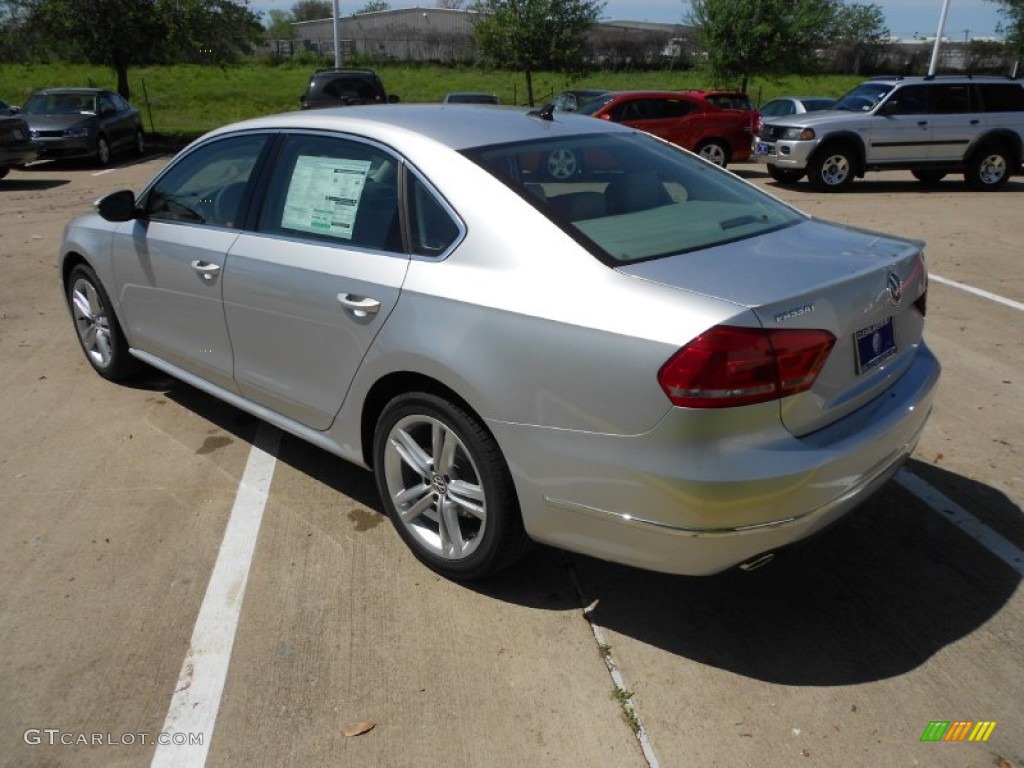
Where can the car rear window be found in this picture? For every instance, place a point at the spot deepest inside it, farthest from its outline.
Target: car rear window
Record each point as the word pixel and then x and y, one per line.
pixel 999 97
pixel 629 197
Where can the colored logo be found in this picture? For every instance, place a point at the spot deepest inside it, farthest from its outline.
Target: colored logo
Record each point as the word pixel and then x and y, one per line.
pixel 958 730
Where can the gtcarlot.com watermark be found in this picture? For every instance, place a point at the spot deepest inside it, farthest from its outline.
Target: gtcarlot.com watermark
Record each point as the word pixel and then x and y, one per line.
pixel 57 737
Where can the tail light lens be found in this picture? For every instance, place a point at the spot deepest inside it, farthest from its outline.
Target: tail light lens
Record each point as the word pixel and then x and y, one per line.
pixel 728 366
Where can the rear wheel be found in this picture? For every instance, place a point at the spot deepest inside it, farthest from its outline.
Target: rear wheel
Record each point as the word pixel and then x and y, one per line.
pixel 714 151
pixel 446 487
pixel 562 164
pixel 928 177
pixel 988 168
pixel 832 169
pixel 785 175
pixel 98 330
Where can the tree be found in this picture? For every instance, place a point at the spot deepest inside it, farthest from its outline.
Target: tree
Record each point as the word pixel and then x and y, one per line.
pixel 311 10
pixel 1013 12
pixel 529 35
pixel 745 37
pixel 859 30
pixel 128 33
pixel 279 25
pixel 373 7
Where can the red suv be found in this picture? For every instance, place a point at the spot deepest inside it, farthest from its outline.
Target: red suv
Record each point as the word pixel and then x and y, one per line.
pixel 688 119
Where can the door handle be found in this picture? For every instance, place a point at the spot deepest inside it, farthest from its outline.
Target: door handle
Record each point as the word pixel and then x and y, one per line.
pixel 922 123
pixel 207 270
pixel 360 305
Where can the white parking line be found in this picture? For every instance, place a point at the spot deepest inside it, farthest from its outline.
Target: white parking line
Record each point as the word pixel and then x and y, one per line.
pixel 196 699
pixel 100 173
pixel 1002 548
pixel 977 292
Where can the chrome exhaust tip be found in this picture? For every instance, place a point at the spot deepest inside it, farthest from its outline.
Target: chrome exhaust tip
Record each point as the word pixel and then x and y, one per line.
pixel 757 562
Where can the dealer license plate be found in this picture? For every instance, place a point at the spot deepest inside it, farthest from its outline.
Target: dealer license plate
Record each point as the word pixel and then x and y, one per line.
pixel 765 149
pixel 875 345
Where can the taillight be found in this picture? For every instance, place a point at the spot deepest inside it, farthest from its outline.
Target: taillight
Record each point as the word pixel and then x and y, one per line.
pixel 728 366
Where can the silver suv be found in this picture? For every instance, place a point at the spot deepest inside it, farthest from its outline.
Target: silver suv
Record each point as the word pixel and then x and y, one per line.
pixel 930 126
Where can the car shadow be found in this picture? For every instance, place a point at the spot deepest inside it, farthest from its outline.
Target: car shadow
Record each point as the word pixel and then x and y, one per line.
pixel 871 598
pixel 18 184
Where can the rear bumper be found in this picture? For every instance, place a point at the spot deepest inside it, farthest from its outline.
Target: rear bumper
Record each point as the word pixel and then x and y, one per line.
pixel 703 492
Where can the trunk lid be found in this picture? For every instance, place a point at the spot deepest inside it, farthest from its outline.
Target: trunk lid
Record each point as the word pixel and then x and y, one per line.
pixel 861 286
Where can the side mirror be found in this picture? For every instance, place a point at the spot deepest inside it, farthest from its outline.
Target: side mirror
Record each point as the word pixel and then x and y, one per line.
pixel 891 107
pixel 117 206
pixel 392 99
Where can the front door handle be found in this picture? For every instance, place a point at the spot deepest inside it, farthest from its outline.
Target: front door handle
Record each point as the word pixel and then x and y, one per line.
pixel 206 269
pixel 361 306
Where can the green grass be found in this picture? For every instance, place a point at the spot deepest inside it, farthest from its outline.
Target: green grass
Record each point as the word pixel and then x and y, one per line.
pixel 188 100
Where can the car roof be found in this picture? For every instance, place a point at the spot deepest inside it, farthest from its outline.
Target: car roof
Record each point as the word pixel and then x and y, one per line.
pixel 474 126
pixel 902 79
pixel 77 91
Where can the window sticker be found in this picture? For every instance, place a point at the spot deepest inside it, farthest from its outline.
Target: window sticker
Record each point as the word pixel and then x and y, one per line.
pixel 323 196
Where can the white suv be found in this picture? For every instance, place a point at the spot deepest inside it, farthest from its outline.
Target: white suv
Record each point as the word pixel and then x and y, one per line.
pixel 930 126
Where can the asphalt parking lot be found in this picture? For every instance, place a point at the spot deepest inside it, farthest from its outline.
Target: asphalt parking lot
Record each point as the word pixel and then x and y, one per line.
pixel 115 501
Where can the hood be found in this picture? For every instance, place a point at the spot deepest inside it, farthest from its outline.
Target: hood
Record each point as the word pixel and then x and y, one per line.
pixel 58 122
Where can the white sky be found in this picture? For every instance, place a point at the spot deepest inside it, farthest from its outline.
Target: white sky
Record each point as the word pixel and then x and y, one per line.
pixel 905 18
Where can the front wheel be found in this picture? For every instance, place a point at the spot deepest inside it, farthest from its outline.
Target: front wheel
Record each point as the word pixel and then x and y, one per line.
pixel 832 169
pixel 446 487
pixel 102 151
pixel 714 151
pixel 98 330
pixel 988 168
pixel 785 175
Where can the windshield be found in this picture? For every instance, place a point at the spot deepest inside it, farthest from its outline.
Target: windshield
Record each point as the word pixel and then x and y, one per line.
pixel 60 104
pixel 629 197
pixel 863 98
pixel 591 106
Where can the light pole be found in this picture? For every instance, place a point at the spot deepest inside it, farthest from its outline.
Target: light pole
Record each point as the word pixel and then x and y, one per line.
pixel 337 37
pixel 938 38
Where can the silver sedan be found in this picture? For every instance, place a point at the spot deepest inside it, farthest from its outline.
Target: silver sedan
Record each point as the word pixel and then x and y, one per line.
pixel 648 360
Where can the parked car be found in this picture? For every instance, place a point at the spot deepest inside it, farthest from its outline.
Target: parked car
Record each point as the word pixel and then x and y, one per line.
pixel 16 148
pixel 344 88
pixel 930 126
pixel 571 101
pixel 792 105
pixel 83 122
pixel 466 97
pixel 689 121
pixel 8 109
pixel 659 365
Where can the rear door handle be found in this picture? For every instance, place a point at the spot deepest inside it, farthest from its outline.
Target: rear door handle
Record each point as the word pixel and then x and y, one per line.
pixel 360 305
pixel 206 269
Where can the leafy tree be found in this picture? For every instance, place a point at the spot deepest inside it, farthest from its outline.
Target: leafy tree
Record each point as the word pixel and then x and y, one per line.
pixel 745 37
pixel 529 35
pixel 279 25
pixel 310 10
pixel 128 33
pixel 1013 12
pixel 373 6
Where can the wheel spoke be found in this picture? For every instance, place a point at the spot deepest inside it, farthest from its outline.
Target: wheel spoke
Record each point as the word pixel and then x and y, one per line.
pixel 413 512
pixel 452 543
pixel 412 454
pixel 444 459
pixel 81 306
pixel 468 496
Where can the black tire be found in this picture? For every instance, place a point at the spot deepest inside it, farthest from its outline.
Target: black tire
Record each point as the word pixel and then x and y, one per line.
pixel 785 175
pixel 462 520
pixel 989 168
pixel 714 151
pixel 98 330
pixel 102 151
pixel 832 168
pixel 928 177
pixel 4 170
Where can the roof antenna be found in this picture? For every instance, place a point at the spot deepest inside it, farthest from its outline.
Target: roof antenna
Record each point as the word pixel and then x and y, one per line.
pixel 547 113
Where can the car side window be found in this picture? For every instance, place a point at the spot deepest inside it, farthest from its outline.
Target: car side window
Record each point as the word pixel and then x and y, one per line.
pixel 951 99
pixel 207 185
pixel 336 190
pixel 999 97
pixel 106 105
pixel 430 224
pixel 910 100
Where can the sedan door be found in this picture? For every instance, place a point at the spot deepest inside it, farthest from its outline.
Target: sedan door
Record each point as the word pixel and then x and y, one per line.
pixel 168 264
pixel 306 294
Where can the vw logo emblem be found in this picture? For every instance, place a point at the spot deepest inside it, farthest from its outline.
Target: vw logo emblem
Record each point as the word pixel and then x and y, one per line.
pixel 439 484
pixel 895 288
